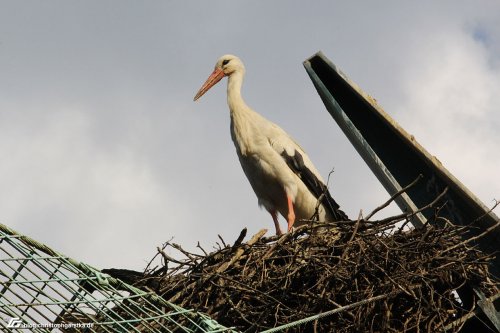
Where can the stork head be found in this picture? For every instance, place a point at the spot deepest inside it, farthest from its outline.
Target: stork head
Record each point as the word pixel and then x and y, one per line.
pixel 226 66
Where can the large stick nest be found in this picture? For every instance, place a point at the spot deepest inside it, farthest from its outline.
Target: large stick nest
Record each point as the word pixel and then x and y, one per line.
pixel 358 276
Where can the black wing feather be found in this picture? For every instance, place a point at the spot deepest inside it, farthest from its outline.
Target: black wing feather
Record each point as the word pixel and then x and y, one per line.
pixel 317 188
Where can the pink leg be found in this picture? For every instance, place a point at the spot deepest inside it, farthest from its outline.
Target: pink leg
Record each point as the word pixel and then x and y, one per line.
pixel 276 223
pixel 291 213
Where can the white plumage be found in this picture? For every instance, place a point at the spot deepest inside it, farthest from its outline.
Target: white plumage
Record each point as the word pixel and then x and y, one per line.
pixel 281 174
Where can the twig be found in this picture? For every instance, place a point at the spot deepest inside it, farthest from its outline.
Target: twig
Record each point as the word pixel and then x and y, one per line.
pixel 168 258
pixel 191 256
pixel 202 249
pixel 472 239
pixel 411 214
pixel 394 196
pixel 495 205
pixel 222 240
pixel 240 238
pixel 240 251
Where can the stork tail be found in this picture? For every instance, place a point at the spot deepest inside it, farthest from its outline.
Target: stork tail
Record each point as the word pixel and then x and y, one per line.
pixel 316 186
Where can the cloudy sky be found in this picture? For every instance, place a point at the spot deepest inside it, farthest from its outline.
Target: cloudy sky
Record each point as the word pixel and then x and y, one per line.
pixel 105 156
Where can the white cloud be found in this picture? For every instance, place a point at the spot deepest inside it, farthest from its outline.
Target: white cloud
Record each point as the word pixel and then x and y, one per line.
pixel 79 197
pixel 450 91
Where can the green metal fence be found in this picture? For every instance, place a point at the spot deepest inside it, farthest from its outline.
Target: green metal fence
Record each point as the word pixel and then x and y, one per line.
pixel 45 291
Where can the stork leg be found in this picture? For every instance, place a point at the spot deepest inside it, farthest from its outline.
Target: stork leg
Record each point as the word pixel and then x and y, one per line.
pixel 291 213
pixel 276 223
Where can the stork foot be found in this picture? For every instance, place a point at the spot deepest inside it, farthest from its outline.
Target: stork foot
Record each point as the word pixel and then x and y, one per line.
pixel 291 213
pixel 276 223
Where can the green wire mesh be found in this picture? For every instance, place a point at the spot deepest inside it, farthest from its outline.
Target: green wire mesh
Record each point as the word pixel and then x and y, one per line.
pixel 44 291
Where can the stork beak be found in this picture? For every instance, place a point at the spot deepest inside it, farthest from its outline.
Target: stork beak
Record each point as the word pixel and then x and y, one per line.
pixel 215 77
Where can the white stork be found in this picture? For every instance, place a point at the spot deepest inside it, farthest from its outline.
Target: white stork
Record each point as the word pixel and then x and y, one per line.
pixel 281 174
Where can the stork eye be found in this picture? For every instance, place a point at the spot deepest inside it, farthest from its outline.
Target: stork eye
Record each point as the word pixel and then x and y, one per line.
pixel 225 62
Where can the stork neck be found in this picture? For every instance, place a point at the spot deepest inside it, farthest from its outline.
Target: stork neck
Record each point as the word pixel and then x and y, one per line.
pixel 234 99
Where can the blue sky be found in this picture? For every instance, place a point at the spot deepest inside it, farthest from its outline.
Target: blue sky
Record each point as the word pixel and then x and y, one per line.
pixel 105 156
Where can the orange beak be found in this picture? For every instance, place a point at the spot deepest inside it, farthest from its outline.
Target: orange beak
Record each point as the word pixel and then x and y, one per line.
pixel 215 77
